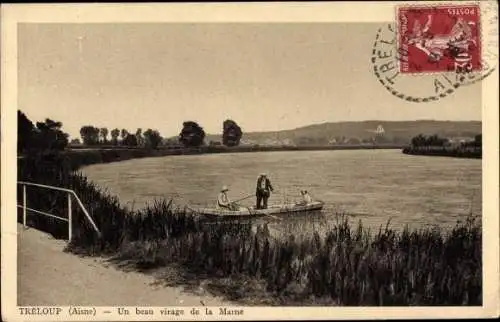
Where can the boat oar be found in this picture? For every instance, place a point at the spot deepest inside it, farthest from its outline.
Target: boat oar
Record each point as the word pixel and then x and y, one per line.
pixel 243 198
pixel 274 217
pixel 192 209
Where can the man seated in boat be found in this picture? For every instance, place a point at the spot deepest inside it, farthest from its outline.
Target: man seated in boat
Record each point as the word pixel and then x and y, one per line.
pixel 306 198
pixel 223 201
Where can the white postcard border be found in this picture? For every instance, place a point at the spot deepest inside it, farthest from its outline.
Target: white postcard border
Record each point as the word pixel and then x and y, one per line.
pixel 382 12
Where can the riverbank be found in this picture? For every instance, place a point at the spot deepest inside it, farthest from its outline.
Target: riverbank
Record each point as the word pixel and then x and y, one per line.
pixel 469 153
pixel 104 154
pixel 244 148
pixel 425 267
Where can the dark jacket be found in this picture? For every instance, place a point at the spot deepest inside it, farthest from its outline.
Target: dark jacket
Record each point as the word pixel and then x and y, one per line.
pixel 268 186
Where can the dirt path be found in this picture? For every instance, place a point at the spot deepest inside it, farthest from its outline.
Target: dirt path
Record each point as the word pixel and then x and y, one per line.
pixel 48 276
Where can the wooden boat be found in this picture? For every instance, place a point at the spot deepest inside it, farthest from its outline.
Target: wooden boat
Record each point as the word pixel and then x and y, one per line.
pixel 250 212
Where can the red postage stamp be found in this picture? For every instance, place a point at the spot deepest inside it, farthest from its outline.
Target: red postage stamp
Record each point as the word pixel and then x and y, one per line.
pixel 439 39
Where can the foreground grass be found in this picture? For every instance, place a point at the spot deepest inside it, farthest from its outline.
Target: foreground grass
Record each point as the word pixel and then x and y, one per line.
pixel 346 266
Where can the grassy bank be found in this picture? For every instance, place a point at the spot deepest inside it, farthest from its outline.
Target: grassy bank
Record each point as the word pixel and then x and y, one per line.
pixel 347 266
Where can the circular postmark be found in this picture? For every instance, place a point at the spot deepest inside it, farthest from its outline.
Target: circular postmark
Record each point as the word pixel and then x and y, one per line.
pixel 430 52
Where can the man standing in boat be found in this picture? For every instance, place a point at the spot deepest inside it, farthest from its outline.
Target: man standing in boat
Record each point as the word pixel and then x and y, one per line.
pixel 263 191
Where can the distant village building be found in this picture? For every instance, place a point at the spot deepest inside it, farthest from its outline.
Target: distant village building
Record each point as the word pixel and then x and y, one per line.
pixel 214 143
pixel 248 142
pixel 270 142
pixel 380 130
pixel 460 140
pixel 288 142
pixel 170 142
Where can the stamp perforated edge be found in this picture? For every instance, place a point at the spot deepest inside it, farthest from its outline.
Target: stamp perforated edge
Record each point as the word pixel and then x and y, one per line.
pixel 430 6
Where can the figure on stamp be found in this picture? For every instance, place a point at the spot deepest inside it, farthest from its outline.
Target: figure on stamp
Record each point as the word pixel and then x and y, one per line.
pixel 263 191
pixel 436 46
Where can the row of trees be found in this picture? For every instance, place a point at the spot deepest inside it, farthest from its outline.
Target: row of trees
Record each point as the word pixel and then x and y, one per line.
pixel 92 135
pixel 437 141
pixel 433 140
pixel 48 135
pixel 477 143
pixel 191 135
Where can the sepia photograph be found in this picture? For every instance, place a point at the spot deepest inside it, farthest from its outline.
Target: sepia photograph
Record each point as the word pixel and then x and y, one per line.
pixel 179 169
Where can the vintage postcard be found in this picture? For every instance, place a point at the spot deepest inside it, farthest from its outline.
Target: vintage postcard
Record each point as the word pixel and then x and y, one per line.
pixel 249 161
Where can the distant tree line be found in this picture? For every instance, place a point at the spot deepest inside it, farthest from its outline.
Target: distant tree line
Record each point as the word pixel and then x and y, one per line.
pixel 437 141
pixel 48 135
pixel 433 140
pixel 477 143
pixel 435 145
pixel 92 136
pixel 191 135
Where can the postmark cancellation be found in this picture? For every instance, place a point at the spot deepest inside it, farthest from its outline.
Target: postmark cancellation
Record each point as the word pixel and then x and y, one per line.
pixel 440 47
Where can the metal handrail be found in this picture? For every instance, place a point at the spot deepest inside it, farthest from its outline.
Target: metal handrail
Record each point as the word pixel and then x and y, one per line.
pixel 69 219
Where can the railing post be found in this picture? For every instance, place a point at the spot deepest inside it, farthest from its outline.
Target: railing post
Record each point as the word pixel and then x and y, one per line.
pixel 71 194
pixel 24 205
pixel 70 222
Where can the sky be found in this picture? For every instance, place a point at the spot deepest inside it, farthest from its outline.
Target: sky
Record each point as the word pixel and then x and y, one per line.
pixel 265 76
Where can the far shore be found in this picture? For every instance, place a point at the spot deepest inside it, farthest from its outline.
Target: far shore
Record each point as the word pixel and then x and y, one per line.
pixel 87 155
pixel 80 156
pixel 174 150
pixel 470 153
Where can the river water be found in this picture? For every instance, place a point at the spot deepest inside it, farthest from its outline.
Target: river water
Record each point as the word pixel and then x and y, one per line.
pixel 370 185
